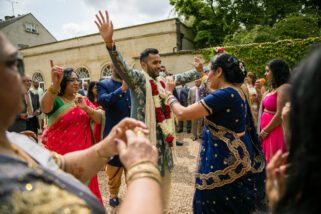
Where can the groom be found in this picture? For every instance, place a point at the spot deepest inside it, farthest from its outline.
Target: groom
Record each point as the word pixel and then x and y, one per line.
pixel 149 99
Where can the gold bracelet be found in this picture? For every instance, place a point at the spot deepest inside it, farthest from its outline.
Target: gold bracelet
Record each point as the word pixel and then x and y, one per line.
pixel 153 176
pixel 59 160
pixel 146 168
pixel 53 91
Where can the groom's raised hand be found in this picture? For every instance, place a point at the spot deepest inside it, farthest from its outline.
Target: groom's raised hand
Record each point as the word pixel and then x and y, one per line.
pixel 106 28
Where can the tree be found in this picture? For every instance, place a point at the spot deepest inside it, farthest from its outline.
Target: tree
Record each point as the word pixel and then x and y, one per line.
pixel 215 21
pixel 296 26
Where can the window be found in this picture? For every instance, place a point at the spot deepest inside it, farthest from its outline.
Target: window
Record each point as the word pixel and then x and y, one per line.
pixel 106 71
pixel 32 28
pixel 39 78
pixel 83 75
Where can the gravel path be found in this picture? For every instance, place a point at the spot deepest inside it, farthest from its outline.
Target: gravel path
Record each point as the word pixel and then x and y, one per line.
pixel 182 180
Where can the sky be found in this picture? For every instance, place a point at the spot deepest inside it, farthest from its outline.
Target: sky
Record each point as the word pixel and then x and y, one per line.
pixel 71 18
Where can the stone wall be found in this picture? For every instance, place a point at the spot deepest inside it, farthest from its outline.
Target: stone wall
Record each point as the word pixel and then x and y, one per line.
pixel 89 51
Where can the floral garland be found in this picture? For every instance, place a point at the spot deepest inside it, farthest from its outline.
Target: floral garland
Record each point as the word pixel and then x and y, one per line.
pixel 163 119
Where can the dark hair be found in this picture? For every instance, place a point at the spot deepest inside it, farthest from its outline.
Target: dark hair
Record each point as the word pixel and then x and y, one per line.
pixel 63 84
pixel 90 94
pixel 146 52
pixel 304 172
pixel 233 69
pixel 280 72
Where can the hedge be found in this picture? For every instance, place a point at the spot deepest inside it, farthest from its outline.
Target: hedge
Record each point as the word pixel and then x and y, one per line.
pixel 256 55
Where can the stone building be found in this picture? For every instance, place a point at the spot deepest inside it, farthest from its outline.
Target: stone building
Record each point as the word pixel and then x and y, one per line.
pixel 25 31
pixel 89 57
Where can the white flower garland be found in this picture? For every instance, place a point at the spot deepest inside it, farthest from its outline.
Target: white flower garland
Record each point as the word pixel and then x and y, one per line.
pixel 167 125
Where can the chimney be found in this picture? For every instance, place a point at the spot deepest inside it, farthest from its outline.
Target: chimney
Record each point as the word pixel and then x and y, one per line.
pixel 8 17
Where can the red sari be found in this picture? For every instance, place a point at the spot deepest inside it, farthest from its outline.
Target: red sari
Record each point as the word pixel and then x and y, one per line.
pixel 69 130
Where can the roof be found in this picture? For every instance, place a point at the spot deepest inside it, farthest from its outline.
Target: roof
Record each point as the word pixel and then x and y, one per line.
pixel 117 29
pixel 11 21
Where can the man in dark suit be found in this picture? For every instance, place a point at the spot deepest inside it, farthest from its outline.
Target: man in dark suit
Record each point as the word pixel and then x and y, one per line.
pixel 114 97
pixel 183 95
pixel 27 120
pixel 20 123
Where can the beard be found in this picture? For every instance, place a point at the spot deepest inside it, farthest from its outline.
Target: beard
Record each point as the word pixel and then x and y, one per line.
pixel 153 72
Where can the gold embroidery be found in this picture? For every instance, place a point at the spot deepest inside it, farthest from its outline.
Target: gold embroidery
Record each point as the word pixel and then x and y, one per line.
pixel 230 171
pixel 44 198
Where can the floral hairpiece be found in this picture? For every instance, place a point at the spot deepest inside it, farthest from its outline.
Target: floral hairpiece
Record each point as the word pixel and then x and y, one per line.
pixel 241 65
pixel 219 50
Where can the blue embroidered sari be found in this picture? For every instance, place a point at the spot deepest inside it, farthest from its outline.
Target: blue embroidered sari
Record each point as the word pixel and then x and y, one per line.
pixel 230 175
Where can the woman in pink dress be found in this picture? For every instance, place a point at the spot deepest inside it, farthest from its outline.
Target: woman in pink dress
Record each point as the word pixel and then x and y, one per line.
pixel 69 118
pixel 277 74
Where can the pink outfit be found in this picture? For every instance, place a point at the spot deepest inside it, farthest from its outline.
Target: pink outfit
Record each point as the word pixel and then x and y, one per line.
pixel 275 140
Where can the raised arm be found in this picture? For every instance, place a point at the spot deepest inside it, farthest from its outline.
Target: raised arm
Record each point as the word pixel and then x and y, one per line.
pixel 106 29
pixel 191 75
pixel 47 100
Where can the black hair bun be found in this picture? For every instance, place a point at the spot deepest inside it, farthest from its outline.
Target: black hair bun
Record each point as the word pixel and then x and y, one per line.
pixel 233 69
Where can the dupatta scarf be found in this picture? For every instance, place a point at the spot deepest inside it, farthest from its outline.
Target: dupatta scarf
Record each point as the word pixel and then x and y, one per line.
pixel 69 129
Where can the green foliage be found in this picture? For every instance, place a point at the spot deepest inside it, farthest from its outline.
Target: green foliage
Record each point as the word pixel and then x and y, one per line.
pixel 295 26
pixel 215 21
pixel 212 19
pixel 257 35
pixel 256 56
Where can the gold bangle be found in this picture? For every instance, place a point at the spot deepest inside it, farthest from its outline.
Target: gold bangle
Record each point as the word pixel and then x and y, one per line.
pixel 143 169
pixel 153 176
pixel 59 160
pixel 53 91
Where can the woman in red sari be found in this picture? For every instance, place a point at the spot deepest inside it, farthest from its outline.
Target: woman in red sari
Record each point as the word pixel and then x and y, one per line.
pixel 69 117
pixel 93 98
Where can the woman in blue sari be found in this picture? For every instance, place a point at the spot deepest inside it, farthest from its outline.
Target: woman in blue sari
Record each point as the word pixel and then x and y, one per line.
pixel 230 174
